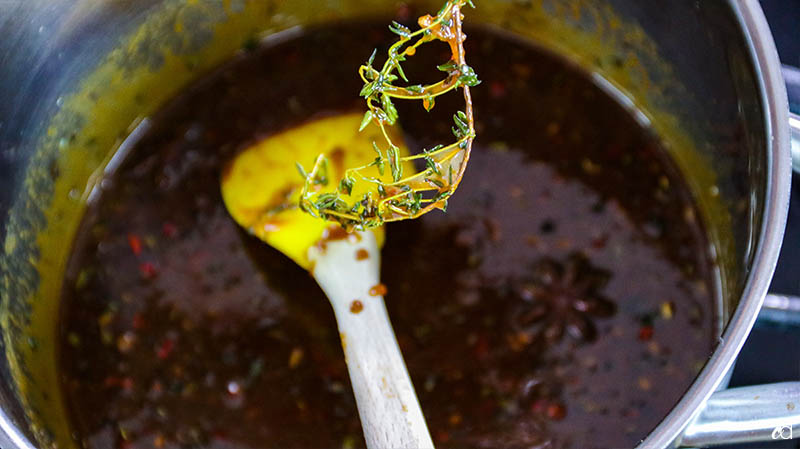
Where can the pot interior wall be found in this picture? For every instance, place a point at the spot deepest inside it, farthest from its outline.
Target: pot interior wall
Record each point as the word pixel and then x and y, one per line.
pixel 78 89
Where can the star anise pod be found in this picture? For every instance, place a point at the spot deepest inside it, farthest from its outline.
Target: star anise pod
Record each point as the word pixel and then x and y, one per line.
pixel 561 298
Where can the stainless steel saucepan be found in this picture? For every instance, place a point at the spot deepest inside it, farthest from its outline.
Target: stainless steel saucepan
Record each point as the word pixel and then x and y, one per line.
pixel 76 76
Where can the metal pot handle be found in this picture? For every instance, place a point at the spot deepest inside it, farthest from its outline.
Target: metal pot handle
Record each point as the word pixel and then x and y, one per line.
pixel 792 77
pixel 794 125
pixel 755 413
pixel 747 414
pixel 768 412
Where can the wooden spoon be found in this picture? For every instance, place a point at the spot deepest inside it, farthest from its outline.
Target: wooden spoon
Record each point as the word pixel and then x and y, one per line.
pixel 260 188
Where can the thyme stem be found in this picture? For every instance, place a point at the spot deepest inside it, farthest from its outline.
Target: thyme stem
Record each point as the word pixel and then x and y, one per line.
pixel 402 197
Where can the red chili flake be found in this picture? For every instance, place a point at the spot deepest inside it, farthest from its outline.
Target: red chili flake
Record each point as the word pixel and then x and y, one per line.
pixel 220 435
pixel 169 229
pixel 630 413
pixel 442 436
pixel 324 365
pixel 199 260
pixel 126 383
pixel 556 411
pixel 403 12
pixel 615 151
pixel 137 322
pixel 148 270
pixel 487 408
pixel 481 349
pixel 600 242
pixel 292 58
pixel 135 243
pixel 497 89
pixel 493 227
pixel 166 348
pixel 539 405
pixel 645 333
pixel 111 381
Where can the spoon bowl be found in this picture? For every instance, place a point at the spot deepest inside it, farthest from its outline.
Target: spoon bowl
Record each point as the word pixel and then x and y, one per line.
pixel 261 190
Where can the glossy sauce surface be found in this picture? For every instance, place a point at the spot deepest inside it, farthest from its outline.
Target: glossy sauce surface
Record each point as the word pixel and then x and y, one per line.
pixel 565 298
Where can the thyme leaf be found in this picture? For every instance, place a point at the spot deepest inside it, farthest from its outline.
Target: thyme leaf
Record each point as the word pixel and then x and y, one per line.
pixel 301 170
pixel 346 185
pixel 395 163
pixel 468 76
pixel 366 120
pixel 399 29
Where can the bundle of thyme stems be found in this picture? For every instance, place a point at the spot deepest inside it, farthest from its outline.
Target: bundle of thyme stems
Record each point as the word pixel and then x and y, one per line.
pixel 415 194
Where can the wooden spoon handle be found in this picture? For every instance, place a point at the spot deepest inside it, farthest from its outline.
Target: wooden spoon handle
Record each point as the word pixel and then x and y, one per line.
pixel 390 413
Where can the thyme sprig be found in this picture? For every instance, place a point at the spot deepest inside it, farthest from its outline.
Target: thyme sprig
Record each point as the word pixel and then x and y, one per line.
pixel 405 196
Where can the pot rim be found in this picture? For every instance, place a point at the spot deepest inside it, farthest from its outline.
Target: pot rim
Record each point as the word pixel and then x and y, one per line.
pixel 772 92
pixel 10 434
pixel 773 96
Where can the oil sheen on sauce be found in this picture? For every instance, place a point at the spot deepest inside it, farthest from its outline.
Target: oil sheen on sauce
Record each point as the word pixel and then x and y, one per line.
pixel 563 299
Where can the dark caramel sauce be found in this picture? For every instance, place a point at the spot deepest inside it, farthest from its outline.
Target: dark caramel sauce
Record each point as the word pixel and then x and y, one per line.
pixel 532 312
